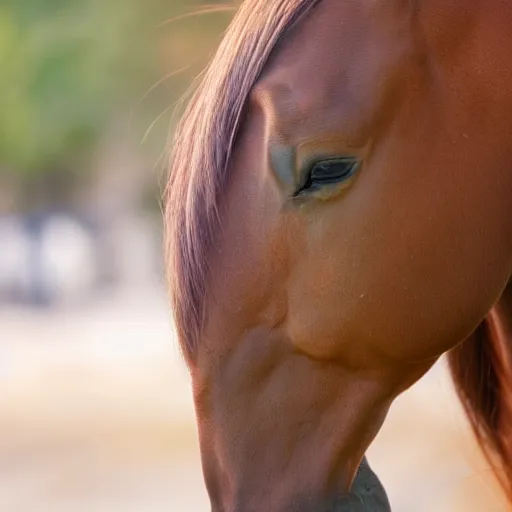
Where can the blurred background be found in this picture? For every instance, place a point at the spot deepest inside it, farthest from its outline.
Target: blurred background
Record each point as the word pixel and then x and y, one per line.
pixel 95 407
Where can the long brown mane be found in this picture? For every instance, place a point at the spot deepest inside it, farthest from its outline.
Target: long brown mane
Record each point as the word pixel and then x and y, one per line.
pixel 201 153
pixel 481 369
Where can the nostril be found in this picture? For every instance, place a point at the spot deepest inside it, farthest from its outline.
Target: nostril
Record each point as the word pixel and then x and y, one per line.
pixel 369 490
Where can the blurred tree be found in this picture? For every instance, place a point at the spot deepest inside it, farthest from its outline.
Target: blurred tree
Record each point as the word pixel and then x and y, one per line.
pixel 68 68
pixel 64 67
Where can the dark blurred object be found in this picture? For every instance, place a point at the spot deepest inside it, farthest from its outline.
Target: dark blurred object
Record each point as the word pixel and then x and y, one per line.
pixel 57 258
pixel 46 259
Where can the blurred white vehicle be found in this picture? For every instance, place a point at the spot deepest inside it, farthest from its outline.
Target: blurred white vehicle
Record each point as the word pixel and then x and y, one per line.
pixel 67 259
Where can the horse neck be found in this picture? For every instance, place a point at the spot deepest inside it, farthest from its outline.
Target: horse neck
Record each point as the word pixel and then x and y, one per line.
pixel 275 434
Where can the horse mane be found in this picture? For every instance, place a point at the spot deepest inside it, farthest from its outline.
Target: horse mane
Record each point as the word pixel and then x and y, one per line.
pixel 201 152
pixel 481 369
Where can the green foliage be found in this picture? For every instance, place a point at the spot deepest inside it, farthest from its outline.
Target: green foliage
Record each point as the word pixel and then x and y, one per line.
pixel 64 67
pixel 67 67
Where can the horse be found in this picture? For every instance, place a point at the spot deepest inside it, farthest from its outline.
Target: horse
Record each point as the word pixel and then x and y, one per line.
pixel 337 218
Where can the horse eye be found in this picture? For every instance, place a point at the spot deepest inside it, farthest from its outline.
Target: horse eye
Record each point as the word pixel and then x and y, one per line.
pixel 328 172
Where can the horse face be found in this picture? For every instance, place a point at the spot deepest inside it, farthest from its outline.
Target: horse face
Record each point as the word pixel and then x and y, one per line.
pixel 370 186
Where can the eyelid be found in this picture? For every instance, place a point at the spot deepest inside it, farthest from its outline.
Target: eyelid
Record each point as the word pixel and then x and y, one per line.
pixel 308 164
pixel 306 174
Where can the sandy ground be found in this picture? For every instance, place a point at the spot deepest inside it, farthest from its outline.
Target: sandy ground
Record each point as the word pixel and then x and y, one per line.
pixel 96 416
